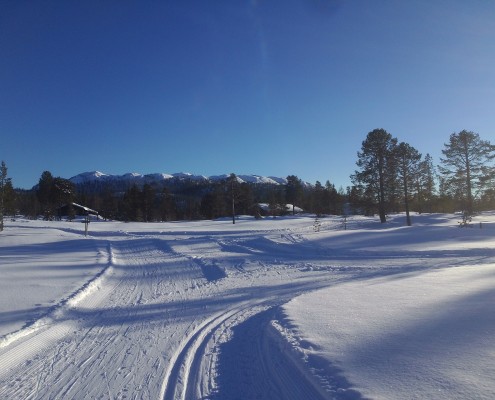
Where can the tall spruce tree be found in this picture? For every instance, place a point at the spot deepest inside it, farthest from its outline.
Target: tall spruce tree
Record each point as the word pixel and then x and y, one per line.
pixel 245 202
pixel 408 159
pixel 332 199
pixel 467 166
pixel 148 196
pixel 45 194
pixel 425 184
pixel 318 199
pixel 293 191
pixel 4 181
pixel 377 168
pixel 233 191
pixel 167 206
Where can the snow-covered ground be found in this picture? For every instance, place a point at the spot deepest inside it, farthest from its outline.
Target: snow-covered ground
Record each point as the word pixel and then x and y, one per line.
pixel 265 309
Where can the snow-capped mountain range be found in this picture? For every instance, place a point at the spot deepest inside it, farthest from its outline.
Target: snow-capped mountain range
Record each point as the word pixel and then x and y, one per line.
pixel 137 178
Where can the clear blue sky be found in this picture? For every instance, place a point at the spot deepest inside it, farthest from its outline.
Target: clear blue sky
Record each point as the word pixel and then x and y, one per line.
pixel 273 87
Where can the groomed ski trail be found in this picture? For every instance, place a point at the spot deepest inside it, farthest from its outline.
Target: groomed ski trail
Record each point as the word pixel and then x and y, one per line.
pixel 153 325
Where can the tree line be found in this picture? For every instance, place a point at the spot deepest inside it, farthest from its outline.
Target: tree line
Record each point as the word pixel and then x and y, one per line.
pixel 391 177
pixel 185 200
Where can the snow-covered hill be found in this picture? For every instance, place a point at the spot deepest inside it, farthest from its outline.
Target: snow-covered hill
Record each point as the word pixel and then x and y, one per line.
pixel 160 178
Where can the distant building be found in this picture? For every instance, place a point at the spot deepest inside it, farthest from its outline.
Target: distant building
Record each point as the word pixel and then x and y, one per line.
pixel 77 209
pixel 263 209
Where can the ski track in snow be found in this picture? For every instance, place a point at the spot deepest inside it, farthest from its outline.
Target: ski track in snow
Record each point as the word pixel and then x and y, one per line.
pixel 147 326
pixel 187 315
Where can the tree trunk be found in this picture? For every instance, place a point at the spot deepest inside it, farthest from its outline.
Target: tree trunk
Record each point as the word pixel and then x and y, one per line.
pixel 469 206
pixel 406 201
pixel 381 205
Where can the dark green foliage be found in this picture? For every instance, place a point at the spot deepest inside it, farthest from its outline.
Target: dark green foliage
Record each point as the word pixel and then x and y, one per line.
pixel 391 178
pixel 294 191
pixel 319 199
pixel 467 168
pixel 425 183
pixel 63 192
pixel 44 193
pixel 53 193
pixel 166 206
pixel 407 158
pixel 148 197
pixel 5 192
pixel 377 174
pixel 131 206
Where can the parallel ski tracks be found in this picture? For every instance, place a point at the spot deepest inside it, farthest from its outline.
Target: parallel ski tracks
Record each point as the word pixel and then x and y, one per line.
pixel 189 375
pixel 153 325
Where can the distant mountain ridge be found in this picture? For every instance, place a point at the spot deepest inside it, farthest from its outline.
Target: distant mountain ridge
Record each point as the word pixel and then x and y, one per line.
pixel 162 178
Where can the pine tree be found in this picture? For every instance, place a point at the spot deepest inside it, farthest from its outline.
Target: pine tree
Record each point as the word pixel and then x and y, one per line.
pixel 318 199
pixel 167 207
pixel 467 166
pixel 333 199
pixel 276 202
pixel 425 184
pixel 233 193
pixel 4 181
pixel 131 207
pixel 10 199
pixel 147 202
pixel 44 194
pixel 220 205
pixel 109 204
pixel 293 191
pixel 407 166
pixel 376 161
pixel 245 199
pixel 206 207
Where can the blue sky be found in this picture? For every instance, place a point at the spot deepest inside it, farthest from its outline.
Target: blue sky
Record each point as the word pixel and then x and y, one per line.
pixel 252 87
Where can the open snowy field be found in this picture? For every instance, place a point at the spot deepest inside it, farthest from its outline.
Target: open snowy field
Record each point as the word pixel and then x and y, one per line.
pixel 263 309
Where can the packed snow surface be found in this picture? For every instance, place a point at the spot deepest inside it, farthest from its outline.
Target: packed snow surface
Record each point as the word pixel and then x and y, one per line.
pixel 286 308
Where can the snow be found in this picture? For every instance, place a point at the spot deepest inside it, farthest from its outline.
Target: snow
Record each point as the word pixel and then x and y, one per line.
pixel 258 179
pixel 421 335
pixel 187 175
pixel 89 176
pixel 267 309
pixel 159 177
pixel 280 181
